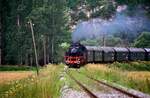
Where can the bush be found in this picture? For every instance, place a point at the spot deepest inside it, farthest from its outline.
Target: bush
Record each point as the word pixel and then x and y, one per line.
pixel 16 68
pixel 132 66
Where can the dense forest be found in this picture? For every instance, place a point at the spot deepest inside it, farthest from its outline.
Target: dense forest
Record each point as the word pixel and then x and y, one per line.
pixel 52 22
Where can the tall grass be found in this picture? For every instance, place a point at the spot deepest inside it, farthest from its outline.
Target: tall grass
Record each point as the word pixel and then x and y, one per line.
pixel 47 85
pixel 118 76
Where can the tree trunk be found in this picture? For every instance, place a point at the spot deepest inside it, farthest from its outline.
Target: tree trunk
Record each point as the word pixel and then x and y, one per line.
pixel 31 60
pixel 52 49
pixel 2 28
pixel 52 40
pixel 26 59
pixel 0 41
pixel 44 49
pixel 20 61
pixel 47 44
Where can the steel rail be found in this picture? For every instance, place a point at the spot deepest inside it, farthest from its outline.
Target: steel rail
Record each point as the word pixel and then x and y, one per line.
pixel 89 93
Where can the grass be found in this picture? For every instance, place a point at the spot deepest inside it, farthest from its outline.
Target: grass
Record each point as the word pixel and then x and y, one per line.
pixel 132 79
pixel 90 84
pixel 16 68
pixel 46 85
pixel 71 83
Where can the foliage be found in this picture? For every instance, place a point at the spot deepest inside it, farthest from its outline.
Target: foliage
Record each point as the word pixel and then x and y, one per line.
pixel 143 40
pixel 132 66
pixel 113 41
pixel 64 45
pixel 90 42
pixel 109 41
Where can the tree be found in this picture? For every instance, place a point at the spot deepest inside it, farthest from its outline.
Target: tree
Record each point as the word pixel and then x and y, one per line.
pixel 113 41
pixel 81 10
pixel 143 40
pixel 13 25
pixel 132 4
pixel 50 19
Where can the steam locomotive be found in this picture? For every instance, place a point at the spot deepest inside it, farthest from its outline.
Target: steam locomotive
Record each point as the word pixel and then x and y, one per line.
pixel 78 55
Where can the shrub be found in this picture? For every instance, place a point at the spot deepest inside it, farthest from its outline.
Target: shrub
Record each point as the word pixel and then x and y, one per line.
pixel 132 66
pixel 16 68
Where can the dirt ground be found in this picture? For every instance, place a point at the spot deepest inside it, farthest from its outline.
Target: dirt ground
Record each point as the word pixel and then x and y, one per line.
pixel 9 76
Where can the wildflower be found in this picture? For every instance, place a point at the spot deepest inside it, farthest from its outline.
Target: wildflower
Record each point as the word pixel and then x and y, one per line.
pixel 6 95
pixel 32 79
pixel 16 82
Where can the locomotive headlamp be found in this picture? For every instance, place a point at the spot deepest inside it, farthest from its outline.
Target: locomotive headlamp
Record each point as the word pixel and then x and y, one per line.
pixel 78 62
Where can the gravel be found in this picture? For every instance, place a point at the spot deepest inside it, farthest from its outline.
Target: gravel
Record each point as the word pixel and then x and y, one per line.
pixel 70 93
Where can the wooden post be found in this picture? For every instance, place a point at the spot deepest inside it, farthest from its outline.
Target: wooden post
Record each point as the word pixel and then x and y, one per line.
pixel 34 45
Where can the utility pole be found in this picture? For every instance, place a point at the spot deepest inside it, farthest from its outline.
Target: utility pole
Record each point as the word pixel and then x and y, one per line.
pixel 34 45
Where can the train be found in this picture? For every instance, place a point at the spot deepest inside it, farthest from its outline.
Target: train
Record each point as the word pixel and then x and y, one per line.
pixel 78 55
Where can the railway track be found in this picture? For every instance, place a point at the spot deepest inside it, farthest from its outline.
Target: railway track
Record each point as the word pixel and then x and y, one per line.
pixel 92 94
pixel 89 93
pixel 113 87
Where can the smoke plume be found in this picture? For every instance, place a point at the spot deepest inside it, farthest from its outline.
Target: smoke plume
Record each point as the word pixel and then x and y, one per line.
pixel 121 22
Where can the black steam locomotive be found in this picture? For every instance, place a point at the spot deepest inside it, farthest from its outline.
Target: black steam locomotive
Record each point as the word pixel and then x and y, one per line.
pixel 78 55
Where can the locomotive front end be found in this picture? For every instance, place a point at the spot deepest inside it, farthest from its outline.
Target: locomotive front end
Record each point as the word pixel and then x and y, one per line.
pixel 75 56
